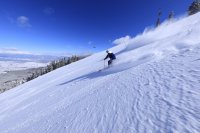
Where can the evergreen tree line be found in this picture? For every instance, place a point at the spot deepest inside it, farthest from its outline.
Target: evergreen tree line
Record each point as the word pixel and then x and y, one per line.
pixel 192 9
pixel 170 17
pixel 53 66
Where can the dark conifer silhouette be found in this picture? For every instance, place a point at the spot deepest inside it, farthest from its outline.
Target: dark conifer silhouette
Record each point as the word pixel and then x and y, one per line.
pixel 194 7
pixel 158 20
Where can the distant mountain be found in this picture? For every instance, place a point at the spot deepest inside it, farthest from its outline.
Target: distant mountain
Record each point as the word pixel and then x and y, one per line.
pixel 28 57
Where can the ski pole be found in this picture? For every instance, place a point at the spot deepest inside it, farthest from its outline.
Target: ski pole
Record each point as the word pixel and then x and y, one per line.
pixel 104 64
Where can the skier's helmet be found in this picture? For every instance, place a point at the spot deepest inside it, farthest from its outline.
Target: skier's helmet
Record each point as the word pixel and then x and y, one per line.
pixel 108 51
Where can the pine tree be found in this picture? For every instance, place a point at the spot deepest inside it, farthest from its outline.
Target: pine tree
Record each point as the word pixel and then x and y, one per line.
pixel 68 61
pixel 194 7
pixel 171 15
pixel 158 20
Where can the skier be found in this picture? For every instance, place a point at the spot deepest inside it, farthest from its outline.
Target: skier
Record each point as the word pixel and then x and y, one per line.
pixel 111 56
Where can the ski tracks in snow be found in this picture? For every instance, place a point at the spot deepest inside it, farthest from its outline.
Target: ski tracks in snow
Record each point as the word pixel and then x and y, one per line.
pixel 154 97
pixel 162 97
pixel 170 96
pixel 157 97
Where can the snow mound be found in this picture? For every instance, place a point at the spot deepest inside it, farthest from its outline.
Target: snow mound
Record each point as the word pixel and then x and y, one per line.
pixel 152 86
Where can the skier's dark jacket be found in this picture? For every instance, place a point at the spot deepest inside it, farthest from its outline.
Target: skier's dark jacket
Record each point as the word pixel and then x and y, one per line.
pixel 111 56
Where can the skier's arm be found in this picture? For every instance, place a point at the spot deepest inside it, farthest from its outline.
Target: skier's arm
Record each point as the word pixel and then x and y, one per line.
pixel 106 57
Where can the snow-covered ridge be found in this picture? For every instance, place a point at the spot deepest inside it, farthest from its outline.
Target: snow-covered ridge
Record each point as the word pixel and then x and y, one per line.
pixel 170 37
pixel 153 86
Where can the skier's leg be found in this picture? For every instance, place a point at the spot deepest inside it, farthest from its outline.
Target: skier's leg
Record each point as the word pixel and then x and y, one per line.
pixel 109 62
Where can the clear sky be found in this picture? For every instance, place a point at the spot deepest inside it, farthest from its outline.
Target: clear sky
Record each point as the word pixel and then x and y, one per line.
pixel 75 26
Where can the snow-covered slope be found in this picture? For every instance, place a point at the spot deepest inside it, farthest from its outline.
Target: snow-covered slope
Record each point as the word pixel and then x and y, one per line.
pixel 153 86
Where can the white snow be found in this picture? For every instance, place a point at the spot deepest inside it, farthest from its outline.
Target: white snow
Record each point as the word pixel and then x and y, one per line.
pixel 152 87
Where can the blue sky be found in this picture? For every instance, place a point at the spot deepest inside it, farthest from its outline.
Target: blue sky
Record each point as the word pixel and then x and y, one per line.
pixel 77 26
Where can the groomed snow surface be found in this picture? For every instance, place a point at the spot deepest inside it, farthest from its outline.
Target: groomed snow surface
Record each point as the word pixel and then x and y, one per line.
pixel 152 87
